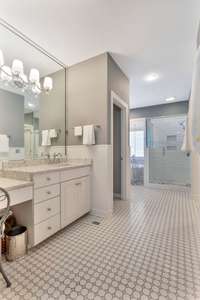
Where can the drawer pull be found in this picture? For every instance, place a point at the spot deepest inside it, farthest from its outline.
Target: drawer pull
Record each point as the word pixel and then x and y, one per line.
pixel 48 178
pixel 48 192
pixel 78 183
pixel 49 227
pixel 49 209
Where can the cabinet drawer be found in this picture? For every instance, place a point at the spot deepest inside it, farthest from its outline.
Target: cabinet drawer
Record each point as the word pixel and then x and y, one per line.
pixel 46 209
pixel 46 179
pixel 46 192
pixel 46 229
pixel 74 173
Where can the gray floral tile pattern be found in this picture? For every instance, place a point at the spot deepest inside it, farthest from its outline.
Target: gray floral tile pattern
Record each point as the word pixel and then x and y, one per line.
pixel 148 250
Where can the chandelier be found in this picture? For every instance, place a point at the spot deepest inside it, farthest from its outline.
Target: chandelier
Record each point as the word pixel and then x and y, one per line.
pixel 15 77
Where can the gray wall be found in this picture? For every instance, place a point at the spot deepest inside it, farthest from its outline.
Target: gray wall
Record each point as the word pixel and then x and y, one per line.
pixel 117 80
pixel 169 109
pixel 118 83
pixel 52 107
pixel 87 97
pixel 89 89
pixel 12 117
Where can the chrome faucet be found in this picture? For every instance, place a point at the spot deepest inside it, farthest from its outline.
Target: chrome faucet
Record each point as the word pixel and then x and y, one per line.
pixel 47 156
pixel 57 157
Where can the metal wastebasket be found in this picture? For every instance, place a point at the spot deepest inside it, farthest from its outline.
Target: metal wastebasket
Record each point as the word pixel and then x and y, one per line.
pixel 16 242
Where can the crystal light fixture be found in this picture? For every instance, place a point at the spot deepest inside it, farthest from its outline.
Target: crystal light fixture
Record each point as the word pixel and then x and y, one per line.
pixel 34 76
pixel 6 74
pixel 15 77
pixel 48 84
pixel 17 67
pixel 1 58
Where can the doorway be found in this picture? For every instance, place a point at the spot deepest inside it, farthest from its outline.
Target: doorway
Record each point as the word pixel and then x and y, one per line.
pixel 117 155
pixel 120 147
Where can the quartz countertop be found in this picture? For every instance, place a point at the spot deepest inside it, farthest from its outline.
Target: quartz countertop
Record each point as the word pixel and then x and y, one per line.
pixel 13 184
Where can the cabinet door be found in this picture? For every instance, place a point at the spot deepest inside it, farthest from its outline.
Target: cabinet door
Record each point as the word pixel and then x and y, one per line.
pixel 75 199
pixel 69 202
pixel 84 195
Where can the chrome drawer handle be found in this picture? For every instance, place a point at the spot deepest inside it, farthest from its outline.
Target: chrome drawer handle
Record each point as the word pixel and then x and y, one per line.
pixel 49 192
pixel 49 209
pixel 48 178
pixel 49 227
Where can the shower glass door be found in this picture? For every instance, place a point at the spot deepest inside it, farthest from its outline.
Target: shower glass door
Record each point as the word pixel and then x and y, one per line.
pixel 167 163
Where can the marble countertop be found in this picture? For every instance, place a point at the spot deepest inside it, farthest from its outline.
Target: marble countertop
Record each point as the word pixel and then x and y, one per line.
pixel 26 172
pixel 13 184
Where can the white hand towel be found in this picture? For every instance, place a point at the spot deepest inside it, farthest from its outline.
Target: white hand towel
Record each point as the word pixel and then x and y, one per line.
pixel 4 143
pixel 78 131
pixel 46 140
pixel 53 133
pixel 88 135
pixel 193 133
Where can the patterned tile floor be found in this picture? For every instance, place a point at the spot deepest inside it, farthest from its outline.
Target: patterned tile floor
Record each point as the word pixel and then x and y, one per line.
pixel 150 249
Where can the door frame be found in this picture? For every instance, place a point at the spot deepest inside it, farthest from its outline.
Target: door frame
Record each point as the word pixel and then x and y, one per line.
pixel 125 168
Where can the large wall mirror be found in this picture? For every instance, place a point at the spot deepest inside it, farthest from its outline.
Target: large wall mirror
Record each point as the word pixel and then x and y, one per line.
pixel 32 99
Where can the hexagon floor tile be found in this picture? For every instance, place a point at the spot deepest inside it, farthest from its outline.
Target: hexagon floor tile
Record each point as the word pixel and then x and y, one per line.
pixel 149 249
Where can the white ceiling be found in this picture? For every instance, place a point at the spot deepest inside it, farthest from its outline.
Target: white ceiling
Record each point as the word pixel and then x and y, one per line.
pixel 144 36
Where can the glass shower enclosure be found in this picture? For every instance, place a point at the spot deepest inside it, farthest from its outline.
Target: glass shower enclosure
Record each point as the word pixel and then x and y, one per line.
pixel 167 164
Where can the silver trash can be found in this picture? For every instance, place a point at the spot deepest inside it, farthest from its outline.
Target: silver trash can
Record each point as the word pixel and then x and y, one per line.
pixel 16 242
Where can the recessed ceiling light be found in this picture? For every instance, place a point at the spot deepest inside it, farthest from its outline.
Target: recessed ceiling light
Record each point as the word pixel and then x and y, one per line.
pixel 152 77
pixel 170 99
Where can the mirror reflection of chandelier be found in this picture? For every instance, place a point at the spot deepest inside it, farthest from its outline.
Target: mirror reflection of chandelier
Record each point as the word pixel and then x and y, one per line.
pixel 15 77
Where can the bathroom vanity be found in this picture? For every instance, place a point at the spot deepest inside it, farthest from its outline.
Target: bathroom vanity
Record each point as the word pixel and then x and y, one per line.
pixel 50 197
pixel 47 193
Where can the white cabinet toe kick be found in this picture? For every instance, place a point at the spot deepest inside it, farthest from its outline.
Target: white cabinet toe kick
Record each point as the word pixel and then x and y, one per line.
pixel 59 198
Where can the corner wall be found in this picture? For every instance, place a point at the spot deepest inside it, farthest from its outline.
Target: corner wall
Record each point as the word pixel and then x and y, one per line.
pixel 89 102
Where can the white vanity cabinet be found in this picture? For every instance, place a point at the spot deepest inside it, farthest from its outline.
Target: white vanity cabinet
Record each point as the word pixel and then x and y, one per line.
pixel 59 199
pixel 75 199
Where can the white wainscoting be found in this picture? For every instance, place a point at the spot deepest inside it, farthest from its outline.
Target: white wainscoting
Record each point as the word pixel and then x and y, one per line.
pixel 51 150
pixel 101 178
pixel 15 153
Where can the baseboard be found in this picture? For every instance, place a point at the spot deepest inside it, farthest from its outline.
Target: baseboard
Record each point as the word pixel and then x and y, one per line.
pixel 117 196
pixel 195 197
pixel 167 187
